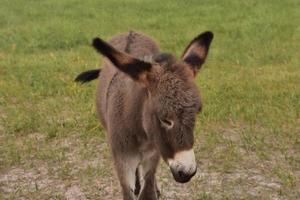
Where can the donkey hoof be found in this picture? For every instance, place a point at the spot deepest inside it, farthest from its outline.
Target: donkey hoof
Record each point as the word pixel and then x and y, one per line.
pixel 158 193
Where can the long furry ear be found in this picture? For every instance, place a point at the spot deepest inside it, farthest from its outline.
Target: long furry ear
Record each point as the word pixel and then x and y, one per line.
pixel 135 68
pixel 196 52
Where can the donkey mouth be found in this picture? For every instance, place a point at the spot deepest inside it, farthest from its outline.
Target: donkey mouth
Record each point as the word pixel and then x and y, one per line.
pixel 183 165
pixel 181 176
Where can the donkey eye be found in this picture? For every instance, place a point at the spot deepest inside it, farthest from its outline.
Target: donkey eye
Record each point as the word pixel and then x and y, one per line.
pixel 168 124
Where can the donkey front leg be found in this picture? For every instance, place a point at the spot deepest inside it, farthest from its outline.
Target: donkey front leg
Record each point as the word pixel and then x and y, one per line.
pixel 147 170
pixel 126 170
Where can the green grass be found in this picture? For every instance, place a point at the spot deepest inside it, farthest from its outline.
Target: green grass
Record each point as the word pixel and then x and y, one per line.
pixel 248 135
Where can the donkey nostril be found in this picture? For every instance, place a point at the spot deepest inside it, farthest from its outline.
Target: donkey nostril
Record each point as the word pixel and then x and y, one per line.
pixel 181 174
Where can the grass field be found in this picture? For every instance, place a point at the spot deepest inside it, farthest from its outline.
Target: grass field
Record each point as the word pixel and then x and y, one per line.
pixel 247 137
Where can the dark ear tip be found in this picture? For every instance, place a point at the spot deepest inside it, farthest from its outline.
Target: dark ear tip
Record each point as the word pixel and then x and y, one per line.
pixel 207 35
pixel 96 42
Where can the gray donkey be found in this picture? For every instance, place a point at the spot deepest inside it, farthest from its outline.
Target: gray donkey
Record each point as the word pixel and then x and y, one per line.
pixel 148 101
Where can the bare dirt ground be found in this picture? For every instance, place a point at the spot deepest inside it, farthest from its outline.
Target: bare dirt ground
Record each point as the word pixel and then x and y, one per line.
pixel 86 172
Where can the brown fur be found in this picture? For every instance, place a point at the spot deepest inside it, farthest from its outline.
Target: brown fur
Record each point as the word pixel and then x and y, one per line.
pixel 148 108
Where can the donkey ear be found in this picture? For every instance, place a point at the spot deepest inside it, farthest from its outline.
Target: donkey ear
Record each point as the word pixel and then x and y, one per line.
pixel 195 53
pixel 136 69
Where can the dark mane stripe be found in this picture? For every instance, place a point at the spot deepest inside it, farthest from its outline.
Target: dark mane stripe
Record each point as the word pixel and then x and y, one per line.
pixel 129 42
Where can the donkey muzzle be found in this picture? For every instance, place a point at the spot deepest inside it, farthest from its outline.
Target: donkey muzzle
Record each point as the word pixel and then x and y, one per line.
pixel 182 176
pixel 183 166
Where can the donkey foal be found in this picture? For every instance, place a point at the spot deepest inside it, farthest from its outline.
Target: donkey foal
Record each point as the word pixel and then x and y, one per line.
pixel 148 101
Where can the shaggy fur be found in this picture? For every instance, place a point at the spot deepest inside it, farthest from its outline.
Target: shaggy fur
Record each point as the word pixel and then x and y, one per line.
pixel 147 101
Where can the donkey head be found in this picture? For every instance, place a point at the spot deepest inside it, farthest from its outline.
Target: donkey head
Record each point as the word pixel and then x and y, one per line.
pixel 173 101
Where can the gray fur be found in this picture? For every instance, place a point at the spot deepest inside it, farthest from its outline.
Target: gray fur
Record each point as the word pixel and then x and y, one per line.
pixel 136 112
